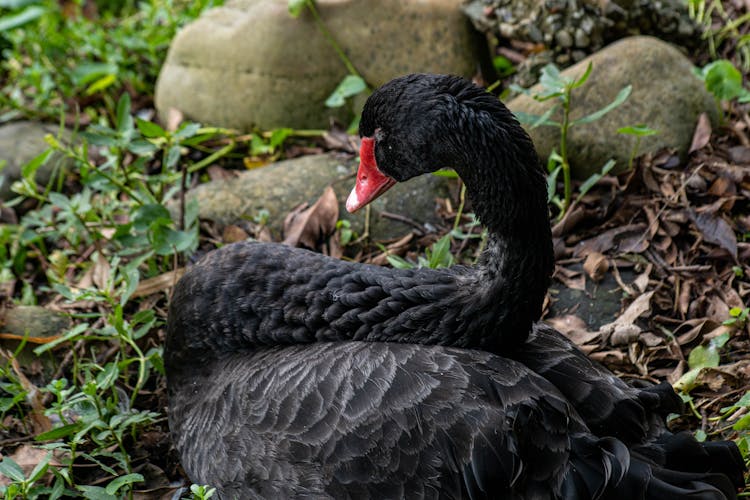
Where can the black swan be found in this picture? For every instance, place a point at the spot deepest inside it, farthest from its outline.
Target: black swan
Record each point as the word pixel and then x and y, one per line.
pixel 293 375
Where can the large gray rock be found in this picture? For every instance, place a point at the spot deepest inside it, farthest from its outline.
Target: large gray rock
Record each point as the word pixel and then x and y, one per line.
pixel 249 63
pixel 20 142
pixel 282 186
pixel 666 96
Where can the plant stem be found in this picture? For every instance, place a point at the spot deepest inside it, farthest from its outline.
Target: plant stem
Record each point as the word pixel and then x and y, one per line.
pixel 331 41
pixel 564 153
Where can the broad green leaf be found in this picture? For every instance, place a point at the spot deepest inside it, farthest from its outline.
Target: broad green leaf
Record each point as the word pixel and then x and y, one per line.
pixel 150 214
pixel 295 7
pixel 173 156
pixel 703 357
pixel 25 16
pixel 351 85
pixel 278 136
pixel 150 129
pixel 187 130
pixel 95 493
pixel 528 118
pixel 11 470
pixel 723 80
pixel 742 424
pixel 59 432
pixel 115 485
pixel 552 80
pixel 700 435
pixel 619 99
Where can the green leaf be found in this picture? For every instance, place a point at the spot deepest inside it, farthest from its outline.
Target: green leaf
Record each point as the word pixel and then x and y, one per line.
pixel 59 432
pixel 700 435
pixel 552 81
pixel 703 357
pixel 150 129
pixel 583 78
pixel 114 486
pixel 552 182
pixel 351 85
pixel 640 130
pixel 11 470
pixel 88 72
pixel 124 119
pixel 448 173
pixel 25 16
pixel 723 80
pixel 399 262
pixel 619 99
pixel 173 156
pixel 295 7
pixel 591 181
pixel 187 130
pixel 32 166
pixel 101 84
pixel 40 469
pixel 544 119
pixel 743 423
pixel 95 493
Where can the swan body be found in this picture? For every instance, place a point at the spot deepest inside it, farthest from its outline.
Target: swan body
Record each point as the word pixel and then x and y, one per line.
pixel 294 375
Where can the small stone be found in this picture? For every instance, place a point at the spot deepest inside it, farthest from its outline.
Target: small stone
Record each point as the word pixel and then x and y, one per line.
pixel 564 39
pixel 581 38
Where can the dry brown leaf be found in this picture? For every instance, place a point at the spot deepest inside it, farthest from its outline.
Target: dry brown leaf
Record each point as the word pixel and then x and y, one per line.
pixel 570 278
pixel 158 283
pixel 624 334
pixel 702 133
pixel 101 272
pixel 174 118
pixel 639 306
pixel 596 266
pixel 716 230
pixel 574 328
pixel 233 234
pixel 308 226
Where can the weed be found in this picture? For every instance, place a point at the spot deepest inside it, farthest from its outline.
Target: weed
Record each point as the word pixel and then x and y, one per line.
pixel 639 131
pixel 557 86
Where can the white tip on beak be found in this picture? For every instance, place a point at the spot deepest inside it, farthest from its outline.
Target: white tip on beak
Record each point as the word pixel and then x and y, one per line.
pixel 352 203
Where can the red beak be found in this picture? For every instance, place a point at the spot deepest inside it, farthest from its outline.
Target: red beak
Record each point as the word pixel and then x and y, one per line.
pixel 371 182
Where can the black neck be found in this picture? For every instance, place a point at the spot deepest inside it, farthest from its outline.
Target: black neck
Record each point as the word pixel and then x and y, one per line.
pixel 507 187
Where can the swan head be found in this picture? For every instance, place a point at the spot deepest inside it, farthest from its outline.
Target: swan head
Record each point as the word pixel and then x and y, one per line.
pixel 413 125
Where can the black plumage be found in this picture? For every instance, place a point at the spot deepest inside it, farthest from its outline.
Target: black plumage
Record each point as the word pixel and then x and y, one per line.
pixel 293 375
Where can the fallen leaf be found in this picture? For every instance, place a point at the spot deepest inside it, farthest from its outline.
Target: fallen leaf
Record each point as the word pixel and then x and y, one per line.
pixel 596 266
pixel 716 230
pixel 233 234
pixel 702 133
pixel 307 226
pixel 174 118
pixel 158 283
pixel 101 273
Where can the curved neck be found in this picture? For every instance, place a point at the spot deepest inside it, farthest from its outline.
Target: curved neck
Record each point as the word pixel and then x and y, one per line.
pixel 507 188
